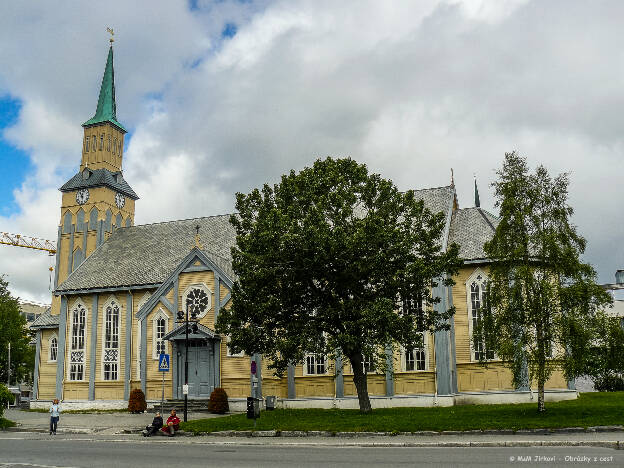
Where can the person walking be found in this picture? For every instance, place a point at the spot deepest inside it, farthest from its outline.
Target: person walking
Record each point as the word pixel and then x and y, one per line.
pixel 55 412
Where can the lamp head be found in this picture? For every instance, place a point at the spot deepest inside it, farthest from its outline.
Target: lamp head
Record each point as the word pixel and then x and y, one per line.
pixel 180 315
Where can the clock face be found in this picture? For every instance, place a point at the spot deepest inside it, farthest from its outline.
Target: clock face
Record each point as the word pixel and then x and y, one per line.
pixel 82 196
pixel 120 200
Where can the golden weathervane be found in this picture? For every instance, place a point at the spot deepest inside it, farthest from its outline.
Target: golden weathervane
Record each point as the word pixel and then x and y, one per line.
pixel 112 33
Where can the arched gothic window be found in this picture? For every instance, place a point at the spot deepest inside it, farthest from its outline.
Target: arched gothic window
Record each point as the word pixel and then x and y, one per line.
pixel 86 144
pixel 478 290
pixel 159 330
pixel 111 341
pixel 53 350
pixel 77 352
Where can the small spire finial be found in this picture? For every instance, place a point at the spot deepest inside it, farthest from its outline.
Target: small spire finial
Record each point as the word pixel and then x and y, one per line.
pixel 452 178
pixel 476 192
pixel 112 33
pixel 197 239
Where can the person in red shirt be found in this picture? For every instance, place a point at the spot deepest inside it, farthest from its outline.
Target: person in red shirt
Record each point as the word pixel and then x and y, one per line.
pixel 173 424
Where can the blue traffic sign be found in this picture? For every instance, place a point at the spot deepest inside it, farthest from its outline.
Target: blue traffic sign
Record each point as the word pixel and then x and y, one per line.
pixel 163 363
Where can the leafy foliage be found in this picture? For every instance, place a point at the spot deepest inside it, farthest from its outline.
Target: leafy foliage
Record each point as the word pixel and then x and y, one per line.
pixel 543 302
pixel 136 402
pixel 218 403
pixel 324 257
pixel 13 330
pixel 6 398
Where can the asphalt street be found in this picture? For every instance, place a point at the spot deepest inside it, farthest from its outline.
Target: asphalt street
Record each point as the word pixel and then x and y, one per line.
pixel 40 450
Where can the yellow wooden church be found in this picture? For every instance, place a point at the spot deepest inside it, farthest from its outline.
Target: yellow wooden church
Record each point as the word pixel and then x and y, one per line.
pixel 118 288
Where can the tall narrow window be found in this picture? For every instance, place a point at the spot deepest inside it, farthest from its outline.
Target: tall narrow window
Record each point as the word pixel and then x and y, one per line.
pixel 114 145
pixel 478 295
pixel 159 324
pixel 93 144
pixel 108 143
pixel 53 349
pixel 315 364
pixel 101 142
pixel 111 342
pixel 120 149
pixel 368 364
pixel 86 144
pixel 77 353
pixel 415 359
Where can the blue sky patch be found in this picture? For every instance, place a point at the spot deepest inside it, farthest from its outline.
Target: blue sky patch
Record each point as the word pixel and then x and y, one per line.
pixel 15 163
pixel 229 30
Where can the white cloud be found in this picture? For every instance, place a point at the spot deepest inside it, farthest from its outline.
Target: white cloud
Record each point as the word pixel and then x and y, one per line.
pixel 410 88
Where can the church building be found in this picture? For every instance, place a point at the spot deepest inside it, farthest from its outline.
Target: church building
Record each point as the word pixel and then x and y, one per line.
pixel 118 288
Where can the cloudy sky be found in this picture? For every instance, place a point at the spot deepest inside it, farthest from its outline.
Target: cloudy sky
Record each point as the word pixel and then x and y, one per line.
pixel 222 96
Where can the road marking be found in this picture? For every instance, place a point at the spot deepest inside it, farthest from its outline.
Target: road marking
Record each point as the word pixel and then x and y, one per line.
pixel 8 464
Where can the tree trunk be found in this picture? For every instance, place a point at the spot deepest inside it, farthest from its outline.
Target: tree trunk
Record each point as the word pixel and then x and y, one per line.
pixel 361 384
pixel 540 393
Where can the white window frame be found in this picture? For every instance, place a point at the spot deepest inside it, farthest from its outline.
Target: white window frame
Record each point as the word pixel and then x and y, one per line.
pixel 110 302
pixel 425 349
pixel 70 349
pixel 142 302
pixel 160 314
pixel 472 279
pixel 315 357
pixel 206 289
pixel 229 352
pixel 54 336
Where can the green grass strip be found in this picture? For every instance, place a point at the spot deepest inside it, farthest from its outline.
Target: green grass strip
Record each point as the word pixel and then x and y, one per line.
pixel 4 423
pixel 590 409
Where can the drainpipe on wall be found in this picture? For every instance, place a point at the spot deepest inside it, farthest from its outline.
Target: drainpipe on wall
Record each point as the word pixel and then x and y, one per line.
pixel 435 374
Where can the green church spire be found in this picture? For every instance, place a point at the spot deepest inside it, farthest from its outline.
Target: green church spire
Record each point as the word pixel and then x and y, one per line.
pixel 106 109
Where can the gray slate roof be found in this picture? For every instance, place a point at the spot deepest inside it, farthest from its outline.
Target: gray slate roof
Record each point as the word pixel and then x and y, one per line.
pixel 470 229
pixel 99 178
pixel 436 199
pixel 45 320
pixel 148 254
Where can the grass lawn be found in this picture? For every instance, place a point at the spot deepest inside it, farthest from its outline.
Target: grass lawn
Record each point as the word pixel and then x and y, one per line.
pixel 4 423
pixel 590 409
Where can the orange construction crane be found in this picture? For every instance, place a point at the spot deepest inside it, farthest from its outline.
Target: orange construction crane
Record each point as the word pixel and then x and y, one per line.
pixel 19 240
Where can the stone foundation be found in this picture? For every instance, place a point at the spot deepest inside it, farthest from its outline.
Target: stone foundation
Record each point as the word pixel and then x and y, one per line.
pixel 397 401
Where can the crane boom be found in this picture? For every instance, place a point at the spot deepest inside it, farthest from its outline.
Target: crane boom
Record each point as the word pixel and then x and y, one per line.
pixel 36 243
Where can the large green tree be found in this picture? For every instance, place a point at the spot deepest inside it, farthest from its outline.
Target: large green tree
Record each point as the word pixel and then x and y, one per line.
pixel 324 258
pixel 13 330
pixel 543 304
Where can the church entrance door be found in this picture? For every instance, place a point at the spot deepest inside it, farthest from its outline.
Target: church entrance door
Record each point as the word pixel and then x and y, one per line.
pixel 200 373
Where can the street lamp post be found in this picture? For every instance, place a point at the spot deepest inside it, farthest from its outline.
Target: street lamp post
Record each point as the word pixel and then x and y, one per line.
pixel 184 315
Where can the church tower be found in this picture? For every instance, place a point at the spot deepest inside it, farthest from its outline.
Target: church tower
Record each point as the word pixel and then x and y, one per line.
pixel 97 200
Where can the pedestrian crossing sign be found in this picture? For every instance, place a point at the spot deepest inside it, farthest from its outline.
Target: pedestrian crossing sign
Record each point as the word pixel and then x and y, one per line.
pixel 163 363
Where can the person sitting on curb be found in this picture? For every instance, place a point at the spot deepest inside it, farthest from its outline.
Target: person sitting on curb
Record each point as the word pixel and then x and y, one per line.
pixel 156 425
pixel 173 424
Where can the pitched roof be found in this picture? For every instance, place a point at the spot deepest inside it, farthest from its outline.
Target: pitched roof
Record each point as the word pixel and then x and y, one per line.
pixel 147 254
pixel 45 320
pixel 470 229
pixel 99 178
pixel 436 199
pixel 179 332
pixel 106 107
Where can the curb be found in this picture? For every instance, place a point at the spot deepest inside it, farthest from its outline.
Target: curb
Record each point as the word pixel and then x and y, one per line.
pixel 275 433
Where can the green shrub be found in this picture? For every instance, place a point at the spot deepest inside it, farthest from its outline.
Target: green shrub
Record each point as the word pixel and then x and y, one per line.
pixel 218 403
pixel 609 383
pixel 6 398
pixel 137 403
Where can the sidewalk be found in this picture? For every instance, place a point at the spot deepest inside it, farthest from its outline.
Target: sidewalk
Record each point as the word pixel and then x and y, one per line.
pixel 120 427
pixel 89 423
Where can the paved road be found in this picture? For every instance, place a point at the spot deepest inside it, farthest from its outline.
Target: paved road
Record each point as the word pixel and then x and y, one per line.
pixel 37 450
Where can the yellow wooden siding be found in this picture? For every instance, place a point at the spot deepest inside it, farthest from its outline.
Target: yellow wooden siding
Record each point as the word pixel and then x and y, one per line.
pixel 236 387
pixel 315 386
pixel 474 377
pixel 412 383
pixel 47 370
pixel 376 384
